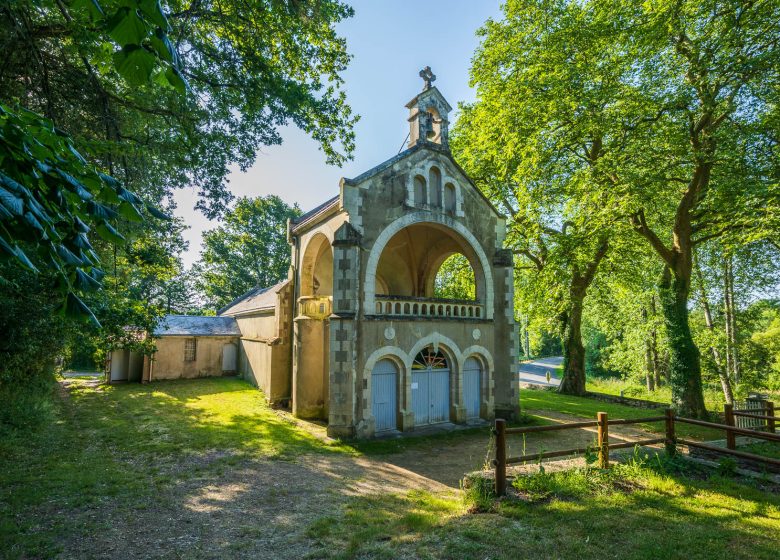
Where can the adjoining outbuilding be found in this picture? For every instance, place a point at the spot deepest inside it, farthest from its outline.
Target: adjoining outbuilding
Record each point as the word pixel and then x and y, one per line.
pixel 187 346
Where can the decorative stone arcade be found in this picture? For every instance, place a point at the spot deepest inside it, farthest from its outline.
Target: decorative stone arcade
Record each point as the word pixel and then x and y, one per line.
pixel 374 349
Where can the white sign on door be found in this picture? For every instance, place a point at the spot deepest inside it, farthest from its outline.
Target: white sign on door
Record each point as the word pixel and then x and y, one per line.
pixel 414 386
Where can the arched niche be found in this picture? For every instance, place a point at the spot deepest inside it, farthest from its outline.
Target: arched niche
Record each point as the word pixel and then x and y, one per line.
pixel 317 267
pixel 434 186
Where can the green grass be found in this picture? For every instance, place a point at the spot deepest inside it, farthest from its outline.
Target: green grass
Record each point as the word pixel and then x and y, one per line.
pixel 713 398
pixel 585 407
pixel 124 443
pixel 763 448
pixel 640 511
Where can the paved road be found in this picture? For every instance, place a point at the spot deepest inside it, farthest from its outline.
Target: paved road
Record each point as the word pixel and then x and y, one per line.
pixel 534 372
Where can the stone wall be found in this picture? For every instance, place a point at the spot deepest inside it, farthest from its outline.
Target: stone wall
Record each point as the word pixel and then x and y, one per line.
pixel 168 362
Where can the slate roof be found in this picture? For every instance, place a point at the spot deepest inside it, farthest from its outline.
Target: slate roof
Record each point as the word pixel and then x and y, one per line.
pixel 256 299
pixel 314 212
pixel 194 325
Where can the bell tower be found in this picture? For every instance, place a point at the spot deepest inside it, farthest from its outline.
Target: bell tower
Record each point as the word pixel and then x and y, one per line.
pixel 428 114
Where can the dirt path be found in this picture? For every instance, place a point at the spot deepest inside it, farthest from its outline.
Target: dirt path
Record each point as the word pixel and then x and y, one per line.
pixel 262 508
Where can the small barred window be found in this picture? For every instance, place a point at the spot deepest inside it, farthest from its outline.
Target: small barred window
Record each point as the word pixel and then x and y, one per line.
pixel 189 350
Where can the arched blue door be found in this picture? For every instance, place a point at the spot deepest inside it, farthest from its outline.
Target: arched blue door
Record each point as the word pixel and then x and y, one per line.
pixel 472 385
pixel 384 380
pixel 430 387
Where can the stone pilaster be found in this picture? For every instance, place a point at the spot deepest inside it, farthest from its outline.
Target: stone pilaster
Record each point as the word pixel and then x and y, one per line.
pixel 344 377
pixel 507 384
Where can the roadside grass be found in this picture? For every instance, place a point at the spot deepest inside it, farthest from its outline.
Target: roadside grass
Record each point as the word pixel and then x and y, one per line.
pixel 585 407
pixel 763 448
pixel 713 397
pixel 124 444
pixel 634 512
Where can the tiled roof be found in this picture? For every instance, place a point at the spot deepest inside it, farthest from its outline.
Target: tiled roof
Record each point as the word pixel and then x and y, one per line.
pixel 256 299
pixel 196 325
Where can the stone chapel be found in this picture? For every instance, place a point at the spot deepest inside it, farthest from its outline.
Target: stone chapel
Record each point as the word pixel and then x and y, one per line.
pixel 355 334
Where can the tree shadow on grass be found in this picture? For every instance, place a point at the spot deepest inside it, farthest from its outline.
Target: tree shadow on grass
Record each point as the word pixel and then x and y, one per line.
pixel 699 520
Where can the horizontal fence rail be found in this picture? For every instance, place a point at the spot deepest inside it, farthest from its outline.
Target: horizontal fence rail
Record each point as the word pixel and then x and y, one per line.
pixel 603 446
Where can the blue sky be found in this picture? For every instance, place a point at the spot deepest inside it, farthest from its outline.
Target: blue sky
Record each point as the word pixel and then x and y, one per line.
pixel 390 42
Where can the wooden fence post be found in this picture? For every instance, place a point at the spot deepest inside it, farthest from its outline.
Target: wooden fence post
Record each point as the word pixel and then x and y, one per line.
pixel 500 461
pixel 728 413
pixel 770 411
pixel 671 438
pixel 603 440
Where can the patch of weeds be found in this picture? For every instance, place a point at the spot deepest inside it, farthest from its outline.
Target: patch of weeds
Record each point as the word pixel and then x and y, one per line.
pixel 479 493
pixel 727 467
pixel 566 484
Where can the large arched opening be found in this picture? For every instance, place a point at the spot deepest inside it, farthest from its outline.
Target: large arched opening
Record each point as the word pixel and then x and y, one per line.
pixel 429 269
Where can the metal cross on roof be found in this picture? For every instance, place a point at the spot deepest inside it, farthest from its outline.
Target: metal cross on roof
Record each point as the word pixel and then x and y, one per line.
pixel 428 76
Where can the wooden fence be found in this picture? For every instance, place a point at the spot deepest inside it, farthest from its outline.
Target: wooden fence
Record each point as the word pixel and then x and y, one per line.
pixel 602 447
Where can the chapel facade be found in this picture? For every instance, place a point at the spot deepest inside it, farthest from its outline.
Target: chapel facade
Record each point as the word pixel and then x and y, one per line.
pixel 356 335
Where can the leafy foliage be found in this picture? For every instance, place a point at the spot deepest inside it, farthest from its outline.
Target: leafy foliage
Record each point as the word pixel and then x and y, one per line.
pixel 50 199
pixel 455 279
pixel 248 250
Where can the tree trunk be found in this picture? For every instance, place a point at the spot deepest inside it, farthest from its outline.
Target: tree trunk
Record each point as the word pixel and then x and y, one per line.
pixel 573 382
pixel 684 359
pixel 723 374
pixel 649 373
pixel 654 345
pixel 732 352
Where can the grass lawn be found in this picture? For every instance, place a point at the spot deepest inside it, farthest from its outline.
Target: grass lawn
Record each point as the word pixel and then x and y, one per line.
pixel 124 443
pixel 537 399
pixel 713 396
pixel 639 513
pixel 204 469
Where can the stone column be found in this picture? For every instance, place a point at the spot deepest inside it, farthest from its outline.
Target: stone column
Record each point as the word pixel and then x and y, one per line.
pixel 505 376
pixel 344 397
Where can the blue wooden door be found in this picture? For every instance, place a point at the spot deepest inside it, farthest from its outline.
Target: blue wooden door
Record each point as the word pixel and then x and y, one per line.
pixel 430 388
pixel 472 377
pixel 420 396
pixel 439 395
pixel 383 394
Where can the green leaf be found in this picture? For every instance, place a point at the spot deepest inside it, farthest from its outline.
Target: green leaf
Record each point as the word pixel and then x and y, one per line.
pixel 13 204
pixel 74 307
pixel 176 80
pixel 157 213
pixel 108 233
pixel 129 211
pixel 92 6
pixel 67 256
pixel 100 211
pixel 163 47
pixel 127 28
pixel 13 185
pixel 108 179
pixel 154 12
pixel 128 196
pixel 85 282
pixel 22 258
pixel 80 189
pixel 33 221
pixel 81 227
pixel 135 64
